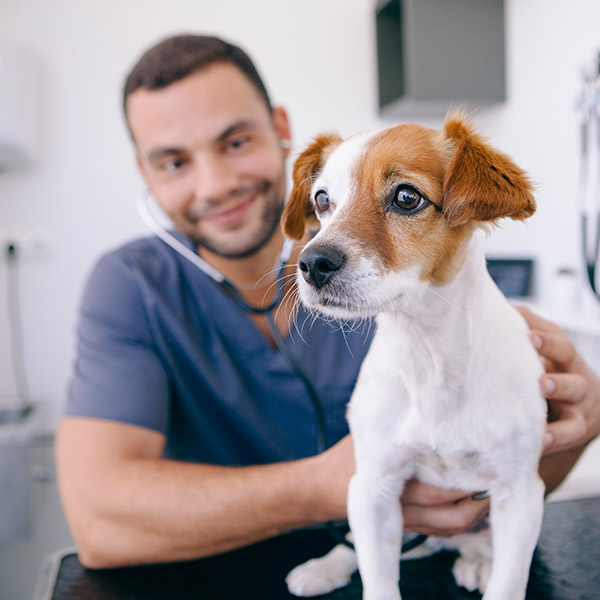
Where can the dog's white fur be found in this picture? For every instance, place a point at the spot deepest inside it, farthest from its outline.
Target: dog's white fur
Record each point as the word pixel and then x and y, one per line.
pixel 448 392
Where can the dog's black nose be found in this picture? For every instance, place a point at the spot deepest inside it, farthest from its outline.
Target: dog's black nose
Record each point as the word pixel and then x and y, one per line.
pixel 318 264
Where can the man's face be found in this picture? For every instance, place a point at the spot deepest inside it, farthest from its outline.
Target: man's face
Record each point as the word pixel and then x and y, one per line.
pixel 210 152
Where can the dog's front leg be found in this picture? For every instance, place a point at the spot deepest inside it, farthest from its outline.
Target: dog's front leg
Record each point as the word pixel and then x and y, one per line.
pixel 375 517
pixel 516 520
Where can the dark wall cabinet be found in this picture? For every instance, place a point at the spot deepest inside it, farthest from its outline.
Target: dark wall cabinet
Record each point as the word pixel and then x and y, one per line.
pixel 433 54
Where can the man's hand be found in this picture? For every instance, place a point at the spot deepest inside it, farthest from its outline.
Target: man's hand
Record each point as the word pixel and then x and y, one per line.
pixel 573 393
pixel 442 513
pixel 571 387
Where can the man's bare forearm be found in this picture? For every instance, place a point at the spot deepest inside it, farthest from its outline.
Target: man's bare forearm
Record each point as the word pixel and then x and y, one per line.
pixel 126 509
pixel 165 511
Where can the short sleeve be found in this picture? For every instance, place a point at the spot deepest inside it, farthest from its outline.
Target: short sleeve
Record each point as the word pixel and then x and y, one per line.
pixel 118 374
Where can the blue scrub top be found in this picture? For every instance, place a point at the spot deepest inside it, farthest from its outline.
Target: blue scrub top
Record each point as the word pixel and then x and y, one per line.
pixel 163 346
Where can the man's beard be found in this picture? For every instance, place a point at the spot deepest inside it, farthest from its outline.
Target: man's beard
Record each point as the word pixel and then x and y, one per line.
pixel 270 221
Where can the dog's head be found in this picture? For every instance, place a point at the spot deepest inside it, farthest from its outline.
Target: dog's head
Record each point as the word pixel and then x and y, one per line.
pixel 395 210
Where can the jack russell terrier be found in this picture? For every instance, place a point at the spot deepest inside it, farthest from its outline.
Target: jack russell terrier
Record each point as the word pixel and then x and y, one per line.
pixel 449 390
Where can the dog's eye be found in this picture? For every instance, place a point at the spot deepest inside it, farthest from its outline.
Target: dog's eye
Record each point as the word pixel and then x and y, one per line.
pixel 409 200
pixel 322 201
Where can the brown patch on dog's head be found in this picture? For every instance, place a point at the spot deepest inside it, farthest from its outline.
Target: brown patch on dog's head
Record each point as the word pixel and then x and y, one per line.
pixel 467 181
pixel 298 213
pixel 481 183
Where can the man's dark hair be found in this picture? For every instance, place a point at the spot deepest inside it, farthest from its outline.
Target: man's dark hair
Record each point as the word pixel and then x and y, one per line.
pixel 179 56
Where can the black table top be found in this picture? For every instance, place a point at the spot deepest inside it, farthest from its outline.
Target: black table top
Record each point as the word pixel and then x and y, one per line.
pixel 566 566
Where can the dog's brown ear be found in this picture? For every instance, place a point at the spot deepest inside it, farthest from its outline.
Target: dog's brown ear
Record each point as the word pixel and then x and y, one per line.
pixel 298 213
pixel 481 183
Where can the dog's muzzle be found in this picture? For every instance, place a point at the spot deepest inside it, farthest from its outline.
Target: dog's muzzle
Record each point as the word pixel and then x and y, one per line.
pixel 318 264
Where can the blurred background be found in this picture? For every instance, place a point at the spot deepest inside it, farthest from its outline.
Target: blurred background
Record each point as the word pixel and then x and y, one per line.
pixel 68 181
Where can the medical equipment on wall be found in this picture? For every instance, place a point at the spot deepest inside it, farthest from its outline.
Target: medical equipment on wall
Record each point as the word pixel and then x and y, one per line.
pixel 20 126
pixel 588 193
pixel 20 93
pixel 145 212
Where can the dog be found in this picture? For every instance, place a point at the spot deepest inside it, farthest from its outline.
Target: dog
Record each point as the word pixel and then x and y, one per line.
pixel 449 390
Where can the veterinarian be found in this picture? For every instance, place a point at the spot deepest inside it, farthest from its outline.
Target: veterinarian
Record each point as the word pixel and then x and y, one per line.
pixel 186 432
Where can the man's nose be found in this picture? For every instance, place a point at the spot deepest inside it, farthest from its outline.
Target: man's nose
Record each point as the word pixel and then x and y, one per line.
pixel 213 178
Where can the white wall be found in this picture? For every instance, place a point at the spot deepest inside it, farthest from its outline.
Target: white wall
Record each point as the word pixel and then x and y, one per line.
pixel 317 57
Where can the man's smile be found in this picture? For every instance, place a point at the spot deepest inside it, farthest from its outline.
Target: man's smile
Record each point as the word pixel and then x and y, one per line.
pixel 231 211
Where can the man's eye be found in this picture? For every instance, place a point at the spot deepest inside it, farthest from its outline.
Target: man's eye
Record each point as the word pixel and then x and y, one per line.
pixel 237 143
pixel 322 201
pixel 409 200
pixel 172 164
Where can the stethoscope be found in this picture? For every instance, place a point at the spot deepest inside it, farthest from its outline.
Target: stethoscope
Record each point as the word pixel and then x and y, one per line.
pixel 143 208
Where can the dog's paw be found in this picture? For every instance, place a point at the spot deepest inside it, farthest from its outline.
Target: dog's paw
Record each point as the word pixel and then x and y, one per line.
pixel 310 579
pixel 322 575
pixel 472 573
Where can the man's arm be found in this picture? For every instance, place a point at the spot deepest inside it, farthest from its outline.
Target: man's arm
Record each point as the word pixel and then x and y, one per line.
pixel 573 393
pixel 127 505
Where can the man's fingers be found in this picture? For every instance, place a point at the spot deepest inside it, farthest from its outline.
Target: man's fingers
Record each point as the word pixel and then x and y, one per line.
pixel 423 494
pixel 569 431
pixel 566 387
pixel 549 339
pixel 535 321
pixel 554 346
pixel 445 520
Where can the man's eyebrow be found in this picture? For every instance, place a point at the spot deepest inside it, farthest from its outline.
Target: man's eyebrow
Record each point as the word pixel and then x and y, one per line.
pixel 160 152
pixel 234 128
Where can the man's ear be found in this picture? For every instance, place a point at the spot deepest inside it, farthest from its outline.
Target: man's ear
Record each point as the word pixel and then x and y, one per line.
pixel 481 183
pixel 298 213
pixel 282 127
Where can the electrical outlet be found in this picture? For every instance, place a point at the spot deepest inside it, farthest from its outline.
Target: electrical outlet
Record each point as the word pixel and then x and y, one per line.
pixel 24 246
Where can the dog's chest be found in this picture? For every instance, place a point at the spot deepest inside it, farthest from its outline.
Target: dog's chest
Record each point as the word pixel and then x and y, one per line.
pixel 466 469
pixel 459 450
pixel 448 430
